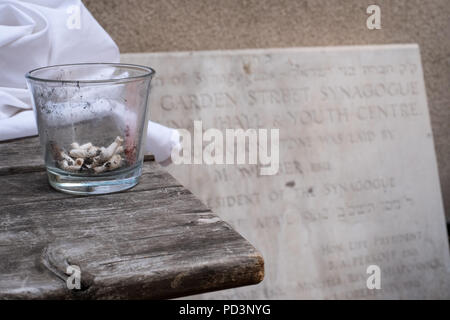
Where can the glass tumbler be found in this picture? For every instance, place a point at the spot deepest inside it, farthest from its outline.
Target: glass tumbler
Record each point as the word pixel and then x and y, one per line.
pixel 92 122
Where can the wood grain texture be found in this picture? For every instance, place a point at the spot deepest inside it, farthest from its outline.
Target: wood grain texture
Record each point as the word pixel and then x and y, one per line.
pixel 21 155
pixel 154 241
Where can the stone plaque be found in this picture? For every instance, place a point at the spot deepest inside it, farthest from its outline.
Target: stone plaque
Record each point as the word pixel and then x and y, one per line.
pixel 356 203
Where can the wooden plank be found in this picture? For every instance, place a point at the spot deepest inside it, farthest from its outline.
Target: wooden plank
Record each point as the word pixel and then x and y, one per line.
pixel 21 155
pixel 156 240
pixel 33 186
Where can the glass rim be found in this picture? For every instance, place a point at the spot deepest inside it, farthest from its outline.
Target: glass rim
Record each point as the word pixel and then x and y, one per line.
pixel 149 72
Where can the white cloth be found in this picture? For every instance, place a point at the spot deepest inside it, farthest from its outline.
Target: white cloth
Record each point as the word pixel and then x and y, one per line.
pixel 38 33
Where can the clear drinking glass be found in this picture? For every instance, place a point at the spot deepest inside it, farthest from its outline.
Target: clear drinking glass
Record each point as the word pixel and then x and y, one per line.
pixel 92 122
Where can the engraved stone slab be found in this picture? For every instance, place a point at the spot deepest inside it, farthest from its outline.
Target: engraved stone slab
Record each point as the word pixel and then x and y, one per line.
pixel 357 183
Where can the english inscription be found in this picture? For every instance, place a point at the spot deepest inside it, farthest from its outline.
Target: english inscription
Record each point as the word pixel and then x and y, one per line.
pixel 357 183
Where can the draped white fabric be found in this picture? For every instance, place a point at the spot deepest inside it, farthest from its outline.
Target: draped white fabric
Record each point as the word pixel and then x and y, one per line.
pixel 38 33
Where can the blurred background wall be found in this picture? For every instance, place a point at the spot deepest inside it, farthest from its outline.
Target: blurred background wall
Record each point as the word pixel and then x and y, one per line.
pixel 179 25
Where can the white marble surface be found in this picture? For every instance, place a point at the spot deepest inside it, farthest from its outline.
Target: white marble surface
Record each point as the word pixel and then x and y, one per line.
pixel 357 183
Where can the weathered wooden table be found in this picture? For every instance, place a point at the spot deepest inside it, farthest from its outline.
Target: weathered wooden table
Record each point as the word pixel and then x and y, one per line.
pixel 154 241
